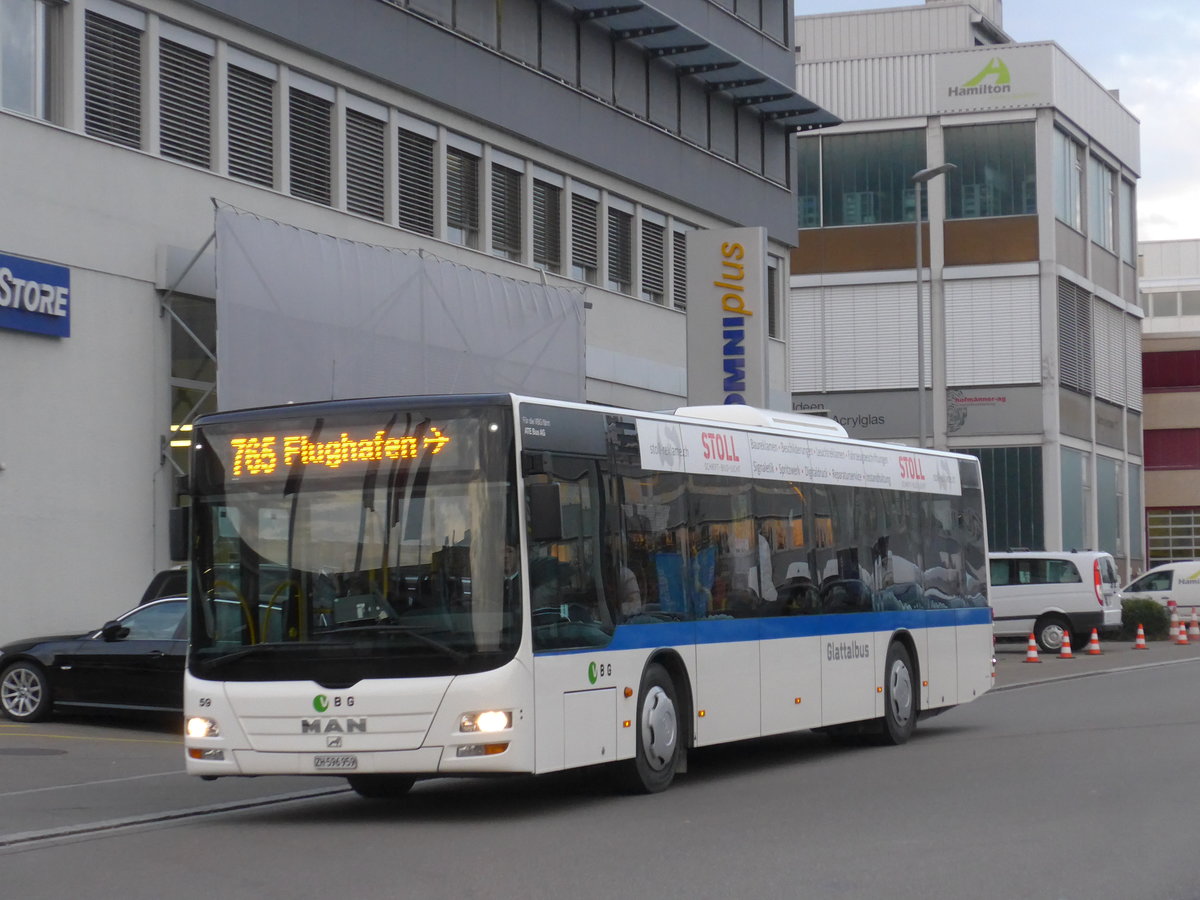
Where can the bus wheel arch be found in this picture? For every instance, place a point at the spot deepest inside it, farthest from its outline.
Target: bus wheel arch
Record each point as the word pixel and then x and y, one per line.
pixel 662 725
pixel 901 692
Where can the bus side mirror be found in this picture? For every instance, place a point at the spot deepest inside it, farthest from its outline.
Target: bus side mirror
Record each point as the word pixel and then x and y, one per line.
pixel 177 533
pixel 545 512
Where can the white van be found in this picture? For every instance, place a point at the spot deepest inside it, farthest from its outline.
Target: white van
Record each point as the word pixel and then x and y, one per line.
pixel 1178 581
pixel 1050 593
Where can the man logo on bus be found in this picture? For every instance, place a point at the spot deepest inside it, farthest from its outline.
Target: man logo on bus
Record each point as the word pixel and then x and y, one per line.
pixel 320 703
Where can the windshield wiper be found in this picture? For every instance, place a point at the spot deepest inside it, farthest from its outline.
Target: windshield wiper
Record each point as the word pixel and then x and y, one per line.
pixel 410 630
pixel 254 649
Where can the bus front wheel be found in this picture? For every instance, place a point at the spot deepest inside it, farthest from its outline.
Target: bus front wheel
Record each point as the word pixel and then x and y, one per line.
pixel 654 766
pixel 900 699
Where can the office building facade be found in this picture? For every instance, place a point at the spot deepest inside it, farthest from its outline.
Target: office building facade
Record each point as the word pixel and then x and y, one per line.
pixel 564 146
pixel 1029 322
pixel 1170 286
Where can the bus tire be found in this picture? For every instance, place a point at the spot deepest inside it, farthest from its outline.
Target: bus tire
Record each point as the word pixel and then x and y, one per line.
pixel 381 787
pixel 656 761
pixel 901 702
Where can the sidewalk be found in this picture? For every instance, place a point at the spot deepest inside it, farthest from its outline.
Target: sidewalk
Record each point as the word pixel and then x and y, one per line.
pixel 1012 670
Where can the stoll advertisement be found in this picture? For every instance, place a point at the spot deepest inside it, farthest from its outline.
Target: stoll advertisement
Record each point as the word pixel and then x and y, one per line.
pixel 35 296
pixel 727 317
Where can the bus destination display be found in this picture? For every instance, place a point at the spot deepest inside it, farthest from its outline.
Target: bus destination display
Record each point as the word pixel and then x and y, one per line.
pixel 265 454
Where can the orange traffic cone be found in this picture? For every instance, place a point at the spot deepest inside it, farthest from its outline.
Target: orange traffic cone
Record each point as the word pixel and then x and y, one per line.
pixel 1194 627
pixel 1093 647
pixel 1174 619
pixel 1031 652
pixel 1140 643
pixel 1182 639
pixel 1065 652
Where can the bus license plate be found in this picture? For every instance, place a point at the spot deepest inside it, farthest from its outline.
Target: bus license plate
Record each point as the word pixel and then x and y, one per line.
pixel 335 762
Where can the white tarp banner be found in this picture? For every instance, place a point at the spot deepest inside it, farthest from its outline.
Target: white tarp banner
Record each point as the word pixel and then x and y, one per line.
pixel 306 316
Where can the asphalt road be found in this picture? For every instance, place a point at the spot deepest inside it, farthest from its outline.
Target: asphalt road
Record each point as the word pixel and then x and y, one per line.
pixel 1008 777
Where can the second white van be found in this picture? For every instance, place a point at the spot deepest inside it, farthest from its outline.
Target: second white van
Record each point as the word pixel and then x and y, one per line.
pixel 1178 581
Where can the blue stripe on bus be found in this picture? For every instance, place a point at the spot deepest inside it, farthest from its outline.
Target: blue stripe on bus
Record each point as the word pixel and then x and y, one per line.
pixel 724 631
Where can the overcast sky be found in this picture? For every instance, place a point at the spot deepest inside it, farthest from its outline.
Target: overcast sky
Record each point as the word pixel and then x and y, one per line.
pixel 1149 50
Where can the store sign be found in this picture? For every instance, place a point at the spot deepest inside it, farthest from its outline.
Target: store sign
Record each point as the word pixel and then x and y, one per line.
pixel 35 296
pixel 994 77
pixel 727 316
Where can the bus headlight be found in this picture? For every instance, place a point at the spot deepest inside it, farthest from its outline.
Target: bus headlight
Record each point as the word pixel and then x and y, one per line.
pixel 200 727
pixel 487 722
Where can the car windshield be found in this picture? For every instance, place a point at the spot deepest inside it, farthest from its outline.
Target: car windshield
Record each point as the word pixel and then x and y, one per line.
pixel 327 558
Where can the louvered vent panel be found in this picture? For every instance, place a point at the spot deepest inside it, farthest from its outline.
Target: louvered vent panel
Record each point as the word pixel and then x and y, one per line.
pixel 679 269
pixel 653 261
pixel 185 103
pixel 462 194
pixel 416 181
pixel 871 337
pixel 311 151
pixel 1133 361
pixel 1074 336
pixel 1109 351
pixel 585 234
pixel 251 126
pixel 547 225
pixel 620 250
pixel 364 164
pixel 992 332
pixel 806 350
pixel 112 75
pixel 506 212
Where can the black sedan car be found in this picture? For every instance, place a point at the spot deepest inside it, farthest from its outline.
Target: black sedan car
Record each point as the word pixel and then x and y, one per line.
pixel 134 662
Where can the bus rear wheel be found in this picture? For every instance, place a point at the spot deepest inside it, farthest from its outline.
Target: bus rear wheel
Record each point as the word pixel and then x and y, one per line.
pixel 900 699
pixel 381 787
pixel 653 767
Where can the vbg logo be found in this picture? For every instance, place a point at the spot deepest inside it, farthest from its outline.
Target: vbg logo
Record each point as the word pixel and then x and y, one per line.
pixel 320 703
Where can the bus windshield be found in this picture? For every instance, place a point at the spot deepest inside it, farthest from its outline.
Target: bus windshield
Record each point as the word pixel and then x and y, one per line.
pixel 361 542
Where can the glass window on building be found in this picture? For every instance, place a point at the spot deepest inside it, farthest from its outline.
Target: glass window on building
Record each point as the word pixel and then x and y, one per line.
pixel 1076 499
pixel 867 176
pixel 1068 180
pixel 1137 537
pixel 24 57
pixel 808 182
pixel 1108 506
pixel 1163 304
pixel 1173 534
pixel 1012 489
pixel 995 174
pixel 1101 202
pixel 1128 224
pixel 1189 303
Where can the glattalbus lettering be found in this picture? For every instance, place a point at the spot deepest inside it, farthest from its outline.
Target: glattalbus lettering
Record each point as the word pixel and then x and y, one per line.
pixel 847 650
pixel 733 325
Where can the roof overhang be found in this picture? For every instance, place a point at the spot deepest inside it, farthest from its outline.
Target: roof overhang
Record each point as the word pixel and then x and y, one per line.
pixel 662 37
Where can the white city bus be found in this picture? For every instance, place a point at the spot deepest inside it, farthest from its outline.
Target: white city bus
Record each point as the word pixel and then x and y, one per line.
pixel 396 589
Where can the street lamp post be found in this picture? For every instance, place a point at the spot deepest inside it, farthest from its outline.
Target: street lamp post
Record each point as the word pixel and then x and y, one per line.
pixel 918 179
